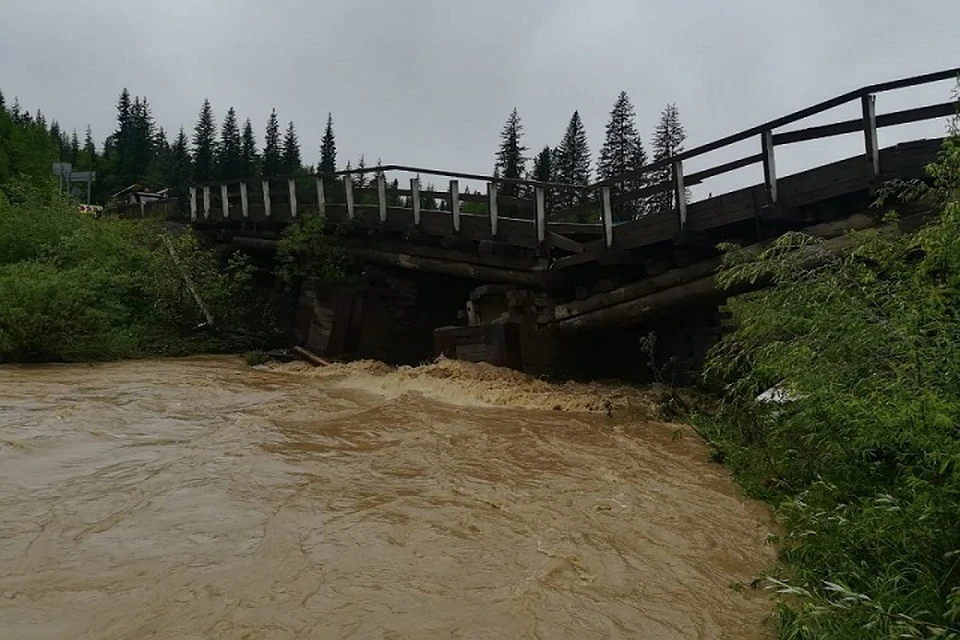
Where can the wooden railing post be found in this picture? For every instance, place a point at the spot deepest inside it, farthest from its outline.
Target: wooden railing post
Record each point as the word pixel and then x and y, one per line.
pixel 455 204
pixel 382 196
pixel 607 216
pixel 292 189
pixel 493 205
pixel 193 204
pixel 415 200
pixel 769 165
pixel 321 198
pixel 244 202
pixel 540 196
pixel 225 201
pixel 266 198
pixel 206 202
pixel 680 193
pixel 348 192
pixel 869 105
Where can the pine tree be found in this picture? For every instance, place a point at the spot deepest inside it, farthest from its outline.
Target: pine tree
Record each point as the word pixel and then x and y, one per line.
pixel 180 166
pixel 291 151
pixel 87 159
pixel 667 142
pixel 143 138
pixel 511 163
pixel 623 153
pixel 272 159
pixel 229 163
pixel 250 160
pixel 543 166
pixel 572 163
pixel 361 181
pixel 205 145
pixel 74 148
pixel 328 149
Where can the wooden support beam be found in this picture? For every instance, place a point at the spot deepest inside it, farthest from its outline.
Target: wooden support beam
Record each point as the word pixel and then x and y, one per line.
pixel 607 216
pixel 321 198
pixel 292 189
pixel 382 196
pixel 680 193
pixel 459 269
pixel 266 198
pixel 193 204
pixel 455 204
pixel 493 207
pixel 206 202
pixel 415 200
pixel 769 165
pixel 541 213
pixel 244 201
pixel 348 191
pixel 225 201
pixel 565 243
pixel 868 104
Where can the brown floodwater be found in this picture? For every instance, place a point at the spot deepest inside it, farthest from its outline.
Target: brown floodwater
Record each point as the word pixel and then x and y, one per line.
pixel 199 498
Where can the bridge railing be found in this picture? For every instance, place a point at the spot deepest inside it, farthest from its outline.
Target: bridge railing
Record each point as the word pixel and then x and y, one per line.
pixel 541 215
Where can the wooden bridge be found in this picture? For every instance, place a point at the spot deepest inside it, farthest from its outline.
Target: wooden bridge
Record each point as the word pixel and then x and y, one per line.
pixel 608 272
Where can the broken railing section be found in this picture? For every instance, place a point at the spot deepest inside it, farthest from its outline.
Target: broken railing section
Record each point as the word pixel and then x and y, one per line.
pixel 528 202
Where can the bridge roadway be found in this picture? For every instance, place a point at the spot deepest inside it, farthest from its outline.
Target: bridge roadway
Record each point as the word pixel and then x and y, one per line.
pixel 614 270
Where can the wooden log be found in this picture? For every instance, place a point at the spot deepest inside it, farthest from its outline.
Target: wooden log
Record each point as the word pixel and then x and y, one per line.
pixel 266 198
pixel 459 269
pixel 321 198
pixel 382 197
pixel 206 202
pixel 607 217
pixel 311 357
pixel 225 201
pixel 415 200
pixel 244 201
pixel 868 105
pixel 292 189
pixel 455 204
pixel 680 193
pixel 492 206
pixel 769 166
pixel 188 281
pixel 348 192
pixel 677 277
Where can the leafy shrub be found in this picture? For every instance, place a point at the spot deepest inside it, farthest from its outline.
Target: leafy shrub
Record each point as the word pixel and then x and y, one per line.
pixel 863 465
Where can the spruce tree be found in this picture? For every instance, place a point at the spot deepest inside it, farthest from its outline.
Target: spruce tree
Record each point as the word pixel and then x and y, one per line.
pixel 230 150
pixel 572 163
pixel 361 180
pixel 250 161
pixel 74 148
pixel 205 145
pixel 511 163
pixel 87 159
pixel 622 153
pixel 272 158
pixel 291 151
pixel 180 166
pixel 543 166
pixel 328 149
pixel 667 142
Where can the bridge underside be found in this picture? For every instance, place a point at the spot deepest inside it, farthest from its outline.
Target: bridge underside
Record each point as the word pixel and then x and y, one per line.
pixel 571 289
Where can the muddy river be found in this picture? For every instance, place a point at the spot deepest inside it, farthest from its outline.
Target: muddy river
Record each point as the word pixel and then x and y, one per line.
pixel 199 498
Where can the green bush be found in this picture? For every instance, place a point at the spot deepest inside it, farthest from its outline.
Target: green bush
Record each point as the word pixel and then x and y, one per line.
pixel 77 288
pixel 863 466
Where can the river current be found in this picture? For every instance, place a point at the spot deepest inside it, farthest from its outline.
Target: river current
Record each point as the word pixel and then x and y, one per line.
pixel 199 498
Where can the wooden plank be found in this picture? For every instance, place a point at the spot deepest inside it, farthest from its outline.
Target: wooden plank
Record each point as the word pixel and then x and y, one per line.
pixel 769 165
pixel 348 192
pixel 382 197
pixel 906 116
pixel 455 204
pixel 206 202
pixel 562 242
pixel 415 200
pixel 541 215
pixel 225 201
pixel 459 269
pixel 733 165
pixel 244 201
pixel 193 203
pixel 292 189
pixel 321 198
pixel 492 207
pixel 680 194
pixel 868 104
pixel 607 216
pixel 266 198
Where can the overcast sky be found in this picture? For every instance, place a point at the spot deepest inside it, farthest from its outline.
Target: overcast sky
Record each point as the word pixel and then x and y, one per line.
pixel 430 82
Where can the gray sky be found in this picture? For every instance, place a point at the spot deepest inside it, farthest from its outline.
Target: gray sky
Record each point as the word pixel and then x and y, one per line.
pixel 430 82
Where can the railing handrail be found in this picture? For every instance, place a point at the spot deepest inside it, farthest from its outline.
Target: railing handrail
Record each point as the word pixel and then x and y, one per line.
pixel 802 114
